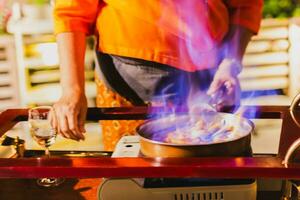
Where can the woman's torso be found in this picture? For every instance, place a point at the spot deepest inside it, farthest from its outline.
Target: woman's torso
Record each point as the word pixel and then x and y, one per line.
pixel 182 34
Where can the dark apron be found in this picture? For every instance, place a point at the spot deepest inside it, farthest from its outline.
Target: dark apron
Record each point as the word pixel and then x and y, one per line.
pixel 141 81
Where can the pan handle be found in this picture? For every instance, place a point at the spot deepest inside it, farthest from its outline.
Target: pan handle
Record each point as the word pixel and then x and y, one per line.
pixel 296 144
pixel 290 152
pixel 295 103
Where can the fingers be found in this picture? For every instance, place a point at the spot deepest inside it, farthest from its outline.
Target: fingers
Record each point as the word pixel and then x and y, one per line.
pixel 72 120
pixel 63 127
pixel 214 86
pixel 68 122
pixel 224 78
pixel 82 117
pixel 231 95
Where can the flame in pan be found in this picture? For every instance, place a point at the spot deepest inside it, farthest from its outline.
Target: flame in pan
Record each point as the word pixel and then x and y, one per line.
pixel 192 97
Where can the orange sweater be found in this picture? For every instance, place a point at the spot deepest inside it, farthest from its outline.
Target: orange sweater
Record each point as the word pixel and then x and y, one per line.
pixel 182 33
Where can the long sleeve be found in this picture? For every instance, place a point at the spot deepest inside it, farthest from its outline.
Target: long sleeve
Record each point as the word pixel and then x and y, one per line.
pixel 246 13
pixel 75 15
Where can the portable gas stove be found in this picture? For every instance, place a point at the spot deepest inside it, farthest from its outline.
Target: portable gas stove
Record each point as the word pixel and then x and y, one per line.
pixel 171 188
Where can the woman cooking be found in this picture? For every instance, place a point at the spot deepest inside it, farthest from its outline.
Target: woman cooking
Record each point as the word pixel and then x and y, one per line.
pixel 150 51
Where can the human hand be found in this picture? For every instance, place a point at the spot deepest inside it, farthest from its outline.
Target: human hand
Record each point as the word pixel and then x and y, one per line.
pixel 68 115
pixel 225 79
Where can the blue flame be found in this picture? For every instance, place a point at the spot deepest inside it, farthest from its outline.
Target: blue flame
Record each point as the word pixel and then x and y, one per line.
pixel 194 38
pixel 249 97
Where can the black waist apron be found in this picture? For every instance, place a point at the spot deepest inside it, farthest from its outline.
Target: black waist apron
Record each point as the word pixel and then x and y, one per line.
pixel 116 81
pixel 141 81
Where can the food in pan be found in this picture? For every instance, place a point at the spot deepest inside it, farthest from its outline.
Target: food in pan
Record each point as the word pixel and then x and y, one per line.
pixel 200 132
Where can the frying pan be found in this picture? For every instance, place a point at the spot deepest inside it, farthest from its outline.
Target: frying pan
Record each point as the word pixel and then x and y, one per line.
pixel 154 132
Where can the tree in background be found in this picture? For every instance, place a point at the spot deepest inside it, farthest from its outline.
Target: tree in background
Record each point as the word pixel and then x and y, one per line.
pixel 281 8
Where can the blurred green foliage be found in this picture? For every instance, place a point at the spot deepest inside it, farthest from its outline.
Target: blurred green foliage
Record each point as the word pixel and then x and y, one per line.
pixel 37 2
pixel 281 8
